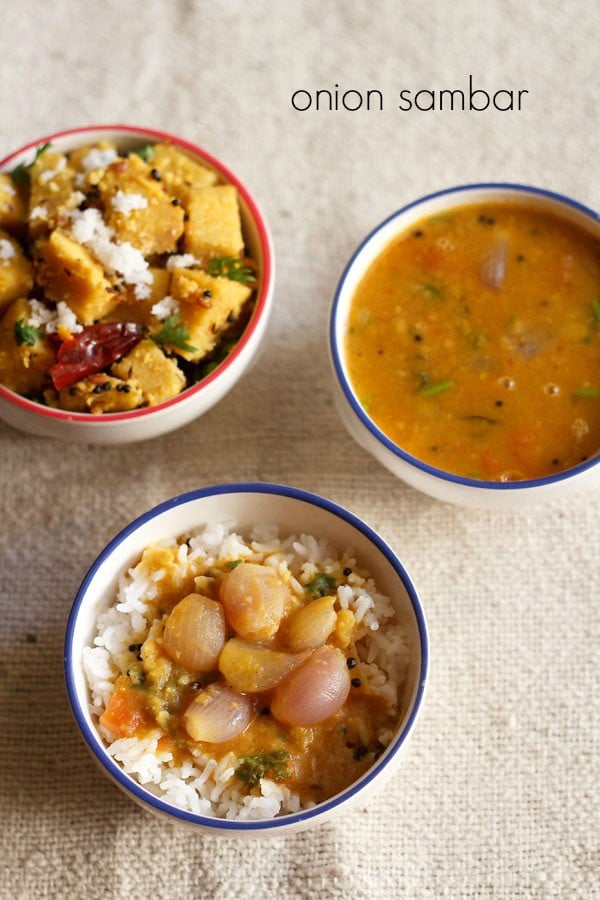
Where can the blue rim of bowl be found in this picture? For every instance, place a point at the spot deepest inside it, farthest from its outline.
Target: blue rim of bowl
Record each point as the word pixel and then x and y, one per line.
pixel 94 741
pixel 357 409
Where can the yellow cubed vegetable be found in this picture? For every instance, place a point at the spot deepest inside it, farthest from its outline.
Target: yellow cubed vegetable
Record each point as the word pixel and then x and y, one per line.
pixel 52 192
pixel 13 208
pixel 207 306
pixel 213 228
pixel 130 309
pixel 16 274
pixel 24 359
pixel 115 396
pixel 92 157
pixel 69 272
pixel 138 208
pixel 158 377
pixel 179 172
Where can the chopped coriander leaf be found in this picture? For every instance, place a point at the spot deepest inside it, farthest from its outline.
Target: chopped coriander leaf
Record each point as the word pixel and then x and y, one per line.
pixel 596 310
pixel 233 268
pixel 432 290
pixel 234 563
pixel 479 418
pixel 263 765
pixel 26 334
pixel 20 174
pixel 586 392
pixel 321 585
pixel 437 387
pixel 146 152
pixel 175 334
pixel 136 676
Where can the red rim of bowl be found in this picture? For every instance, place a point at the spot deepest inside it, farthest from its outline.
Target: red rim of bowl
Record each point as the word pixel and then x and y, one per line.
pixel 259 307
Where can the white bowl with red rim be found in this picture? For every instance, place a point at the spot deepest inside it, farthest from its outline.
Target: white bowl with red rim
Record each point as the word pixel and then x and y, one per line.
pixel 245 505
pixel 150 422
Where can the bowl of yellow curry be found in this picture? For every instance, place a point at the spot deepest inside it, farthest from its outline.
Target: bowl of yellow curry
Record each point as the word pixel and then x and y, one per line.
pixel 136 279
pixel 465 345
pixel 247 659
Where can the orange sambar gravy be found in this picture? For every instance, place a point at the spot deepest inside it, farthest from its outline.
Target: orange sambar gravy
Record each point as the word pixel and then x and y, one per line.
pixel 474 342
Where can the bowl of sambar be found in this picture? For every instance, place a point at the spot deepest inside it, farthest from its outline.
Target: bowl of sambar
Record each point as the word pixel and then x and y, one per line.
pixel 465 345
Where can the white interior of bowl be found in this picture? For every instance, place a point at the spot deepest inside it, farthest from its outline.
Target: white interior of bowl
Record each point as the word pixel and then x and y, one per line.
pixel 436 482
pixel 196 399
pixel 294 511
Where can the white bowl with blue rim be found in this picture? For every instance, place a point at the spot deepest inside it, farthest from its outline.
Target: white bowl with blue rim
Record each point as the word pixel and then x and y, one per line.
pixel 424 477
pixel 294 511
pixel 149 422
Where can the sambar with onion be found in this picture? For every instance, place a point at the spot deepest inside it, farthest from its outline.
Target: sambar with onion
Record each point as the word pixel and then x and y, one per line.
pixel 473 342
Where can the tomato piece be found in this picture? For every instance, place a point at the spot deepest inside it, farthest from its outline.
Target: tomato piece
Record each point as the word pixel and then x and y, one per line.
pixel 92 349
pixel 126 714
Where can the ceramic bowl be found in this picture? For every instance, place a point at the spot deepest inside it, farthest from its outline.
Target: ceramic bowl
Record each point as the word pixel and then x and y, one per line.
pixel 433 481
pixel 141 424
pixel 295 512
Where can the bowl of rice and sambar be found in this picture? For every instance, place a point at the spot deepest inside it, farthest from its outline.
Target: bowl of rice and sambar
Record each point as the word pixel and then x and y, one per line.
pixel 136 277
pixel 465 345
pixel 247 659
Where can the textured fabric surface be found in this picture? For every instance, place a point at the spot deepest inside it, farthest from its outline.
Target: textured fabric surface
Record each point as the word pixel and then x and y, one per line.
pixel 498 795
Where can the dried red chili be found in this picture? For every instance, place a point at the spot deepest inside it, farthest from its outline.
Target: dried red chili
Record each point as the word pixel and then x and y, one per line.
pixel 92 349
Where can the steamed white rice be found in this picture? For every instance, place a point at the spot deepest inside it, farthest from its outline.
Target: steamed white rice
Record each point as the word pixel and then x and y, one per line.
pixel 202 784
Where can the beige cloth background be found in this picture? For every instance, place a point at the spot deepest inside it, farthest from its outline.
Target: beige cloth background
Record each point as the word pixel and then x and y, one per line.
pixel 499 794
